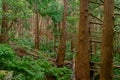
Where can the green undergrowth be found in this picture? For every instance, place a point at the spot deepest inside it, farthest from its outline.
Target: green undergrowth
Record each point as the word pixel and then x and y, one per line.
pixel 28 68
pixel 116 61
pixel 46 48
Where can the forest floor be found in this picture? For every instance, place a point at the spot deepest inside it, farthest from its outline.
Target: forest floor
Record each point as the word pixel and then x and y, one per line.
pixel 20 63
pixel 23 64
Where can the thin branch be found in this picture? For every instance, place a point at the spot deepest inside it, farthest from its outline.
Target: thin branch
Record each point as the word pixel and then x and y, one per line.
pixel 117 7
pixel 117 14
pixel 117 25
pixel 116 66
pixel 96 41
pixel 95 23
pixel 96 3
pixel 103 4
pixel 95 17
pixel 102 1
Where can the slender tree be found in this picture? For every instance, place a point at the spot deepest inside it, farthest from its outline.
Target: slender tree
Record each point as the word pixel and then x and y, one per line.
pixel 37 41
pixel 4 26
pixel 106 70
pixel 62 45
pixel 37 32
pixel 82 63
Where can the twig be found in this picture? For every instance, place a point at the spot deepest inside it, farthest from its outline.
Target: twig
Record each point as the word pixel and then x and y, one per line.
pixel 96 41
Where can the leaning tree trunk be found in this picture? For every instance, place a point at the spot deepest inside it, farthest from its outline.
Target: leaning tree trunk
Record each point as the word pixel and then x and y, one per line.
pixel 4 26
pixel 82 63
pixel 106 70
pixel 62 45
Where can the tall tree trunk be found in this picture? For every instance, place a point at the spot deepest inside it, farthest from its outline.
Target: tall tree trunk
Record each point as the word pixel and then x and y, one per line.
pixel 82 65
pixel 37 32
pixel 106 70
pixel 4 26
pixel 62 45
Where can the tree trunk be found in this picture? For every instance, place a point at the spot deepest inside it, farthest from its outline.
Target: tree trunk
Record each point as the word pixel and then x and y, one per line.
pixel 82 64
pixel 72 46
pixel 37 32
pixel 55 37
pixel 106 70
pixel 4 26
pixel 62 45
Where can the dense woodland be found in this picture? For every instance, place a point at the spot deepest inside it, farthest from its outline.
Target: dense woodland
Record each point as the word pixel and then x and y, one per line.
pixel 59 40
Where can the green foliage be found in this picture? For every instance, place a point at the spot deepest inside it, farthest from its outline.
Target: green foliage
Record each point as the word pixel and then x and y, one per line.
pixel 2 74
pixel 73 7
pixel 47 47
pixel 62 73
pixel 6 52
pixel 116 59
pixel 117 72
pixel 26 43
pixel 27 68
pixel 51 8
pixel 18 9
pixel 69 56
pixel 116 40
pixel 95 58
pixel 68 46
pixel 117 2
pixel 39 69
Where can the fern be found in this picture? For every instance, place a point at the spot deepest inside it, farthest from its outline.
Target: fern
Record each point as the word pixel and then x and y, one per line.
pixel 6 52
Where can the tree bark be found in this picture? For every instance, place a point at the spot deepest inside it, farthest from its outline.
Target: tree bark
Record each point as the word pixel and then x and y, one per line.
pixel 4 26
pixel 106 70
pixel 82 63
pixel 62 45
